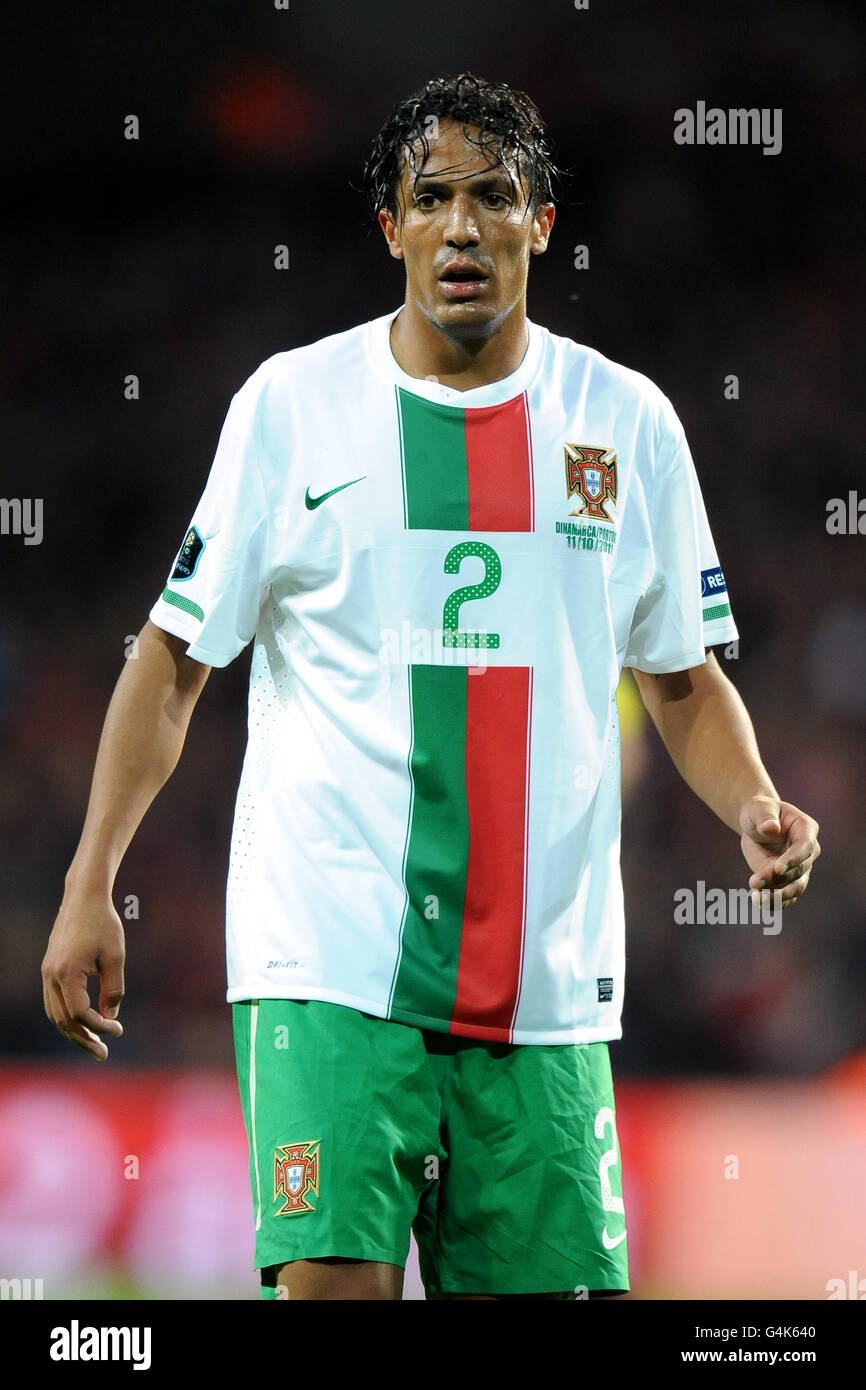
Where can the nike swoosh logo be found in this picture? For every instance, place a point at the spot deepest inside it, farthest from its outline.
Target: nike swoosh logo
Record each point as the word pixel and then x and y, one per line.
pixel 313 502
pixel 608 1243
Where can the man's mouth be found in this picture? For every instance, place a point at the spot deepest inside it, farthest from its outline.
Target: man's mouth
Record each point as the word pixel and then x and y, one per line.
pixel 462 280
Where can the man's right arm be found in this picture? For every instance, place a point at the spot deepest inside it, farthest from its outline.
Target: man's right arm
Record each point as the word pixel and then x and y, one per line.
pixel 141 742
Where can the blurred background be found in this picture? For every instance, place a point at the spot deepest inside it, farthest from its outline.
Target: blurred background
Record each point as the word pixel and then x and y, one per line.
pixel 155 257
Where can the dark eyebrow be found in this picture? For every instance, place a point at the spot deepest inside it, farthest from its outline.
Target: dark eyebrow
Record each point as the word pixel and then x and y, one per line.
pixel 434 183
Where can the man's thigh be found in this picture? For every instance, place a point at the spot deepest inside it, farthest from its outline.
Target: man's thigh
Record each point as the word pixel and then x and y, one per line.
pixel 342 1117
pixel 530 1201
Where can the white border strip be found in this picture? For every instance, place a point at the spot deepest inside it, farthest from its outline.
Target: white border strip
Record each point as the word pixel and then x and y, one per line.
pixel 253 1025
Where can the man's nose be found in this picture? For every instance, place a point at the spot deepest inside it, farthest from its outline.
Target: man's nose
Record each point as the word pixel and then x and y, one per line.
pixel 461 227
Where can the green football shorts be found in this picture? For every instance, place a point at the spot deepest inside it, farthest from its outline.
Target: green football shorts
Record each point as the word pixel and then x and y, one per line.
pixel 503 1159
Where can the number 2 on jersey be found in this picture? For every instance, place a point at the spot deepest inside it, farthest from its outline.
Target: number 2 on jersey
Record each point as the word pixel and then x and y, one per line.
pixel 452 636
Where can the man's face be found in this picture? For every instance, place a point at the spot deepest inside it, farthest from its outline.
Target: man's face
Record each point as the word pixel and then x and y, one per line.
pixel 466 235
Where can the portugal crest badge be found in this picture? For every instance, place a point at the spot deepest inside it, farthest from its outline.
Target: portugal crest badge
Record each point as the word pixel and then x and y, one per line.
pixel 296 1173
pixel 590 472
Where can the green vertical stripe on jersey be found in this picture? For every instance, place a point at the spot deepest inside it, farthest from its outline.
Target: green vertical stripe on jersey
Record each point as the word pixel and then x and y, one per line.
pixel 436 497
pixel 437 854
pixel 435 478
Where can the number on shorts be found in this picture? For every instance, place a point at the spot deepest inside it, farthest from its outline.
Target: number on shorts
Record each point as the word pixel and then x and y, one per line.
pixel 608 1159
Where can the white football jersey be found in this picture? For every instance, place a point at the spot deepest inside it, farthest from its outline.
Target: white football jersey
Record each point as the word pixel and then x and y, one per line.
pixel 443 588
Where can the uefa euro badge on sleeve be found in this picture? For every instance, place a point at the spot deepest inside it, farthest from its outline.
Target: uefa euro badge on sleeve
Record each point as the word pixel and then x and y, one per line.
pixel 591 472
pixel 189 555
pixel 296 1173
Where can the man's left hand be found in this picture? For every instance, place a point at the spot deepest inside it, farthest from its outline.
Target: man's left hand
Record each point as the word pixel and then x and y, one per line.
pixel 780 845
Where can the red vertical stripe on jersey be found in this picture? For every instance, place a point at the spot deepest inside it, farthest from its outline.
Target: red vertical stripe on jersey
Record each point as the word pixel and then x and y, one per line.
pixel 499 467
pixel 491 944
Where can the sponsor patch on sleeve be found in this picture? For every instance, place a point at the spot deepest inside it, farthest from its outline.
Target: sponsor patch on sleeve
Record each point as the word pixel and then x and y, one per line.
pixel 712 583
pixel 714 595
pixel 188 555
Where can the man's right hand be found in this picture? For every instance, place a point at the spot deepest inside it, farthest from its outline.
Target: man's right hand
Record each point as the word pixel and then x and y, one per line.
pixel 141 741
pixel 87 939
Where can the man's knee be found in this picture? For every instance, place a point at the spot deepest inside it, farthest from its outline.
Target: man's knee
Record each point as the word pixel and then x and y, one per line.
pixel 335 1277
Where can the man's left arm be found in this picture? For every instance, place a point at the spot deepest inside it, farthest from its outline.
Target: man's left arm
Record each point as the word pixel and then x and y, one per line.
pixel 708 733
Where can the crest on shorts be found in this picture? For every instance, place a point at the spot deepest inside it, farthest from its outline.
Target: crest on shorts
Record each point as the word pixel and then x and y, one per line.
pixel 590 472
pixel 296 1173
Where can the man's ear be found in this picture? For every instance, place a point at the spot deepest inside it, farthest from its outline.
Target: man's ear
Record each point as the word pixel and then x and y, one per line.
pixel 389 227
pixel 542 226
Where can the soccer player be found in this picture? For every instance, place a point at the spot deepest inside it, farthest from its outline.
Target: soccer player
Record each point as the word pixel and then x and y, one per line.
pixel 447 531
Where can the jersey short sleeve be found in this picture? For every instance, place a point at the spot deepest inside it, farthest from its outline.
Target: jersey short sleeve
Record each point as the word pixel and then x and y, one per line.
pixel 685 608
pixel 213 594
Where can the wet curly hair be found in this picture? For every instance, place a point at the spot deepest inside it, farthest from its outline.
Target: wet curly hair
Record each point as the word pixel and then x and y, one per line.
pixel 510 131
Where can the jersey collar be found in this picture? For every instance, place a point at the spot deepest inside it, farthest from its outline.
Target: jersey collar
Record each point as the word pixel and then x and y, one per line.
pixel 495 393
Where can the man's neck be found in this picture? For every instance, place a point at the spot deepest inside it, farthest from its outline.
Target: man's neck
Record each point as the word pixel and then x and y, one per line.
pixel 426 352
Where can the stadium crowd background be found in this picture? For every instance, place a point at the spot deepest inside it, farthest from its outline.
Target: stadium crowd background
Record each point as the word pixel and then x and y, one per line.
pixel 155 257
